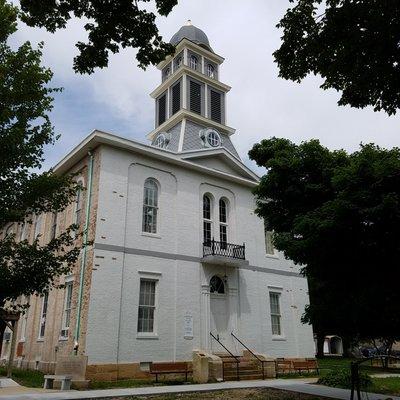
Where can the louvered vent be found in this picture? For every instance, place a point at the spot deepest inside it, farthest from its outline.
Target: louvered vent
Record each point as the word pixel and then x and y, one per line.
pixel 162 109
pixel 195 97
pixel 176 98
pixel 215 106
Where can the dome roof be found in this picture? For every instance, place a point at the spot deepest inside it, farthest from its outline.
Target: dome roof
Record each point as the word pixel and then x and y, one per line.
pixel 193 34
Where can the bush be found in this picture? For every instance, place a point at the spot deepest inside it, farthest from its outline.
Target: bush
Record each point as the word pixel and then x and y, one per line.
pixel 342 378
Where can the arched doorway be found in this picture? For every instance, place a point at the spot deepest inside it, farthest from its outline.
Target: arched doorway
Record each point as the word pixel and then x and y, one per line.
pixel 219 313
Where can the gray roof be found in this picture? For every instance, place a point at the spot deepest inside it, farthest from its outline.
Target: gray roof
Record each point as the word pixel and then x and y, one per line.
pixel 193 34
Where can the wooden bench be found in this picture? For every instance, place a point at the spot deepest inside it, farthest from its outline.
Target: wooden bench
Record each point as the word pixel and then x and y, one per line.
pixel 161 368
pixel 65 381
pixel 306 365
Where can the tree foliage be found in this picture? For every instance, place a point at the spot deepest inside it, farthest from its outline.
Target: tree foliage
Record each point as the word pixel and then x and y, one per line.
pixel 25 128
pixel 338 216
pixel 352 44
pixel 112 24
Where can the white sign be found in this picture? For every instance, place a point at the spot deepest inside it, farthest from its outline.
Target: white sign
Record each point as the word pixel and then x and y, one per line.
pixel 188 326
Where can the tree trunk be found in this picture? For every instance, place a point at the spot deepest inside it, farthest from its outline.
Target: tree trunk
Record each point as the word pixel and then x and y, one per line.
pixel 2 329
pixel 320 344
pixel 12 348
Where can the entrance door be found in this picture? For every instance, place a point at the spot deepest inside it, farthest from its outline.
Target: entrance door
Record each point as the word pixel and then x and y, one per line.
pixel 219 315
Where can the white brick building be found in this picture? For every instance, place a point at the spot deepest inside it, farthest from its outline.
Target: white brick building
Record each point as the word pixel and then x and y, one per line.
pixel 178 251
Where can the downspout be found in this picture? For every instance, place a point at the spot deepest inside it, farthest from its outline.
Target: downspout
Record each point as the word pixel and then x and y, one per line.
pixel 84 255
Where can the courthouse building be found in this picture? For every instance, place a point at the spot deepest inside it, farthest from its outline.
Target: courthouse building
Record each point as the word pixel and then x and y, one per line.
pixel 179 259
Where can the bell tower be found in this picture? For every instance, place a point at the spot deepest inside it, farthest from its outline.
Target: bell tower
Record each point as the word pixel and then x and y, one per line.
pixel 190 101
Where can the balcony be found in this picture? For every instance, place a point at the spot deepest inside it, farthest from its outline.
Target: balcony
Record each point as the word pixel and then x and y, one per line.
pixel 222 253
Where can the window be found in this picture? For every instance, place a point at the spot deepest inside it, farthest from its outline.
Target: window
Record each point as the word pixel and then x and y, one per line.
pixel 147 305
pixel 176 98
pixel 150 206
pixel 162 109
pixel 24 321
pixel 78 207
pixel 217 285
pixel 213 138
pixel 38 225
pixel 53 229
pixel 167 72
pixel 211 71
pixel 193 62
pixel 178 62
pixel 23 232
pixel 269 247
pixel 274 300
pixel 223 222
pixel 215 106
pixel 43 314
pixel 66 320
pixel 207 220
pixel 195 97
pixel 161 141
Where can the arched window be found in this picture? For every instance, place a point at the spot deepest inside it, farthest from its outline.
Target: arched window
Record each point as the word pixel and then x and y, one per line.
pixel 78 206
pixel 193 62
pixel 210 71
pixel 167 72
pixel 217 285
pixel 207 220
pixel 223 222
pixel 150 206
pixel 178 62
pixel 38 225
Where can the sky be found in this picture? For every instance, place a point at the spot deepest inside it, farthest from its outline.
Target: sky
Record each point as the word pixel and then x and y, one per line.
pixel 260 105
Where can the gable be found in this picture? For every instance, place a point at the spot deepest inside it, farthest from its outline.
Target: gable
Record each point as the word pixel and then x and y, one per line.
pixel 220 162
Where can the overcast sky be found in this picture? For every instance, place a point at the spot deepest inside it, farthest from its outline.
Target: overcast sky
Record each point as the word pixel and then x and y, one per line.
pixel 259 105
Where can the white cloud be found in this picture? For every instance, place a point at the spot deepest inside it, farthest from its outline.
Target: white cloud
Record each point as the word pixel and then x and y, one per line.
pixel 260 104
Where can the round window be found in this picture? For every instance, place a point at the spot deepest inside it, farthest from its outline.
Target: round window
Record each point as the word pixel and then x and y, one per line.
pixel 161 141
pixel 213 138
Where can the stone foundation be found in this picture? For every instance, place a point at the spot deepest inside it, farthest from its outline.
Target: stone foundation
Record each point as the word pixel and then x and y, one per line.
pixel 114 372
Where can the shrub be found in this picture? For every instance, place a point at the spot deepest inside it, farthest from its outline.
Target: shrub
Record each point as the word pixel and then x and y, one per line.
pixel 342 378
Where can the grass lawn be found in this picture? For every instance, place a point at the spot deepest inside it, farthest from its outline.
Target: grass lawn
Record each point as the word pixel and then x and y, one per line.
pixel 238 394
pixel 386 386
pixel 25 377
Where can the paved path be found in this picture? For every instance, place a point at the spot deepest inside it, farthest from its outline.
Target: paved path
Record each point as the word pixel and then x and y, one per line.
pixel 295 385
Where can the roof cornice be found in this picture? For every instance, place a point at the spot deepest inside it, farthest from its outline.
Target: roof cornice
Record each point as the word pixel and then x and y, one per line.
pixel 184 113
pixel 98 138
pixel 192 46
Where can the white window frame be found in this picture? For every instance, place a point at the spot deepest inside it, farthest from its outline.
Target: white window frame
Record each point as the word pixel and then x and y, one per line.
pixel 268 245
pixel 225 223
pixel 153 278
pixel 38 225
pixel 211 71
pixel 207 220
pixel 67 308
pixel 24 321
pixel 53 227
pixel 154 207
pixel 194 62
pixel 43 316
pixel 78 207
pixel 276 314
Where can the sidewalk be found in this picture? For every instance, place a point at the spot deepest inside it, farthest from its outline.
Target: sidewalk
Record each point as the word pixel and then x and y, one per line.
pixel 295 385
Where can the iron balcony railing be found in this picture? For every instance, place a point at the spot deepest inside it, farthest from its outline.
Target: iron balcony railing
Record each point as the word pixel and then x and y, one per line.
pixel 224 249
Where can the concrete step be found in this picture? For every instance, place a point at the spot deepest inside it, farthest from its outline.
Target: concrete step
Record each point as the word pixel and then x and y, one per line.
pixel 241 368
pixel 246 377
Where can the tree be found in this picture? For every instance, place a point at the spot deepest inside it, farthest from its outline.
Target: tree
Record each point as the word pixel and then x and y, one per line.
pixel 338 216
pixel 25 128
pixel 352 44
pixel 111 25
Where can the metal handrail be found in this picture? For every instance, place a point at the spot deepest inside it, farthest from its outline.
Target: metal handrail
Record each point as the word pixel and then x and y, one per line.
pixel 254 355
pixel 225 249
pixel 237 361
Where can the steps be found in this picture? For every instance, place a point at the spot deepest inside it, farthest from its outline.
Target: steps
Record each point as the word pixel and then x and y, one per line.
pixel 248 370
